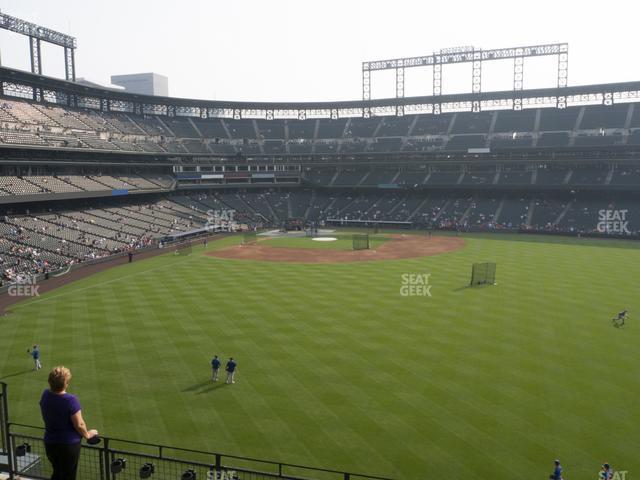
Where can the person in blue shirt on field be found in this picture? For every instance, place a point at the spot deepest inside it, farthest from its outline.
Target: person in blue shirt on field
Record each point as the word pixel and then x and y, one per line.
pixel 607 472
pixel 620 319
pixel 231 371
pixel 35 354
pixel 557 471
pixel 215 367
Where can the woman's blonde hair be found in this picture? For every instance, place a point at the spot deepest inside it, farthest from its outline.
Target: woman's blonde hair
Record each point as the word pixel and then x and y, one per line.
pixel 59 378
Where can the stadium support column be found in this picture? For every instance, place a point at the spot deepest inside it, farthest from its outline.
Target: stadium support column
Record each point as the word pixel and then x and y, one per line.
pixel 36 58
pixel 518 72
pixel 563 66
pixel 400 87
pixel 366 81
pixel 476 72
pixel 69 64
pixel 437 75
pixel 400 81
pixel 36 65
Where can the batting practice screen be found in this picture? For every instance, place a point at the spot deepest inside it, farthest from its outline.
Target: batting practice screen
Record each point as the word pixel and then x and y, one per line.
pixel 483 274
pixel 249 238
pixel 361 242
pixel 182 248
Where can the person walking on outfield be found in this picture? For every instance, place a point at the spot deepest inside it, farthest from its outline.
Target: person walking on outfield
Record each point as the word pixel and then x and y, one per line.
pixel 215 367
pixel 35 354
pixel 620 319
pixel 231 371
pixel 557 471
pixel 607 472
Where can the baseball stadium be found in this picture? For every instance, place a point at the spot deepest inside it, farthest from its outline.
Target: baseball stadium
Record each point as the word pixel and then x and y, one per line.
pixel 410 287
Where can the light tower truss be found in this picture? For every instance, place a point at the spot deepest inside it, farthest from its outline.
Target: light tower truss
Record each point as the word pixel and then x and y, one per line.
pixel 38 34
pixel 467 55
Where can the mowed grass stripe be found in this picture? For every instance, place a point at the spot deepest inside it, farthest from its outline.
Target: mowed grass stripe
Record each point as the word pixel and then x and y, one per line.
pixel 338 370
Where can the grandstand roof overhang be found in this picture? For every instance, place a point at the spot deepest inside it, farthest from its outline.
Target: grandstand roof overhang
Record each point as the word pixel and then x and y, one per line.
pixel 42 88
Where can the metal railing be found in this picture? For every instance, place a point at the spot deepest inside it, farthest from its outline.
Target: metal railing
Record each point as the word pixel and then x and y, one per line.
pixel 116 459
pixel 5 458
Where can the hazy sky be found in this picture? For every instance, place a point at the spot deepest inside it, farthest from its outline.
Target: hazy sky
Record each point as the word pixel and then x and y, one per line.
pixel 301 50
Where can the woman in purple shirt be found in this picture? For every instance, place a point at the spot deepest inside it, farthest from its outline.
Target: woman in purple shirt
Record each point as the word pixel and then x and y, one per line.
pixel 64 425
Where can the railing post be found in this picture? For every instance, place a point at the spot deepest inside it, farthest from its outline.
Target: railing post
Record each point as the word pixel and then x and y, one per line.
pixel 11 459
pixel 347 476
pixel 4 418
pixel 218 463
pixel 104 465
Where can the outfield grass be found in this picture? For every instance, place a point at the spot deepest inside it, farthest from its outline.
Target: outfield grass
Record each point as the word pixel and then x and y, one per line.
pixel 343 241
pixel 337 370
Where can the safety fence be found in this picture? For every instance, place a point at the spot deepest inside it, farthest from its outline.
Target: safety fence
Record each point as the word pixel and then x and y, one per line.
pixel 23 455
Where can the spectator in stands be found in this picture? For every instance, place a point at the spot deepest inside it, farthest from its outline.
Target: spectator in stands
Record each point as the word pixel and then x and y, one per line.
pixel 64 425
pixel 231 370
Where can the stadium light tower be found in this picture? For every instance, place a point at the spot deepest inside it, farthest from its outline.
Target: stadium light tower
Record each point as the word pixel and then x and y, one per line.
pixel 37 35
pixel 467 54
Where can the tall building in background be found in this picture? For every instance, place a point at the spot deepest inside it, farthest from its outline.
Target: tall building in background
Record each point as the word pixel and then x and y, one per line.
pixel 143 83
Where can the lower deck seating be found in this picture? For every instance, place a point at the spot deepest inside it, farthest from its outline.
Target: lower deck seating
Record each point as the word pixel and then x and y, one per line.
pixel 57 236
pixel 38 242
